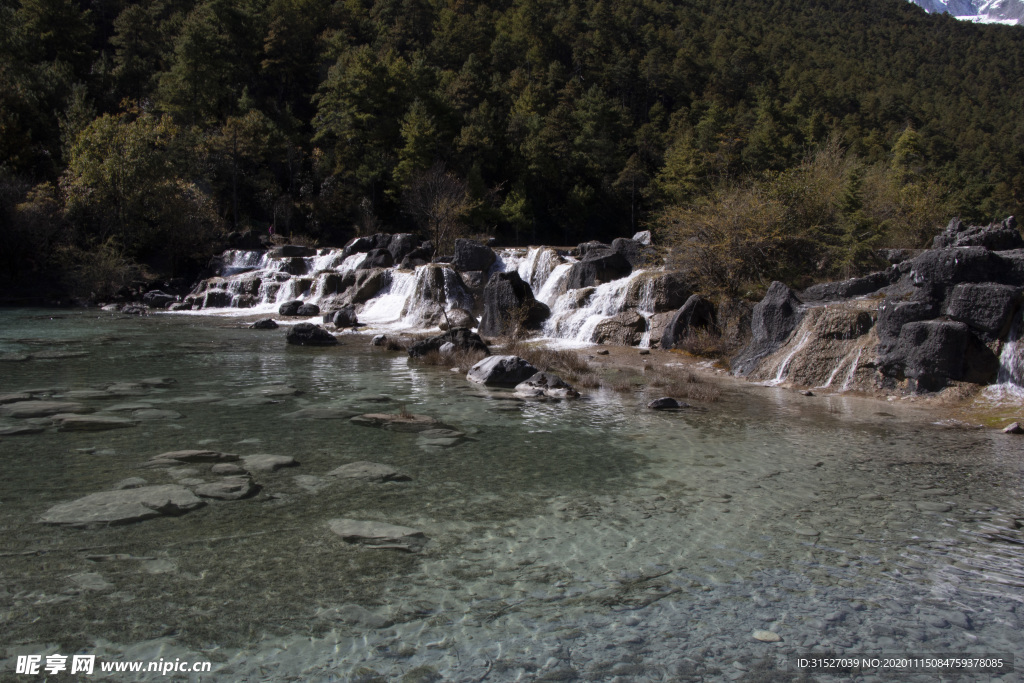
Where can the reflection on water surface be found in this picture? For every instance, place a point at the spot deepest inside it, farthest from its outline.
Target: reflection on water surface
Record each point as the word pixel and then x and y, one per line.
pixel 592 540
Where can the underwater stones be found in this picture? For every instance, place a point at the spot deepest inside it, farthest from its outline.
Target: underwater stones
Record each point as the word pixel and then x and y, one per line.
pixel 123 506
pixel 15 397
pixel 470 255
pixel 440 438
pixel 265 324
pixel 320 413
pixel 767 636
pixel 501 371
pixel 159 382
pixel 179 457
pixel 547 385
pixel 90 423
pixel 308 334
pixel 156 414
pixel 773 320
pixel 509 304
pixel 368 471
pixel 378 534
pixel 398 422
pixel 228 488
pixel 933 506
pixel 131 483
pixel 265 462
pixel 461 338
pixel 20 430
pixel 666 403
pixel 27 409
pixel 226 469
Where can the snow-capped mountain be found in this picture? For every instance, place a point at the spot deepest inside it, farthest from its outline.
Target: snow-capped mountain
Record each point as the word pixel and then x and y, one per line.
pixel 981 11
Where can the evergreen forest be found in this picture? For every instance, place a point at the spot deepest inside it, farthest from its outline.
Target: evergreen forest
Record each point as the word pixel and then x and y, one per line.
pixel 766 139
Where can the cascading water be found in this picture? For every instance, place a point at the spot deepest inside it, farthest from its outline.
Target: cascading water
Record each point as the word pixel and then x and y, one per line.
pixel 1010 379
pixel 575 318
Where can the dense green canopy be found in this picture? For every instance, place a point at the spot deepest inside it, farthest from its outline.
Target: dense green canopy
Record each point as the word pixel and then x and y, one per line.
pixel 150 127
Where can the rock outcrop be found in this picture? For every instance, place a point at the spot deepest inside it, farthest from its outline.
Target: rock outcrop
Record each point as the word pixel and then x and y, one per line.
pixel 308 334
pixel 461 338
pixel 508 304
pixel 501 371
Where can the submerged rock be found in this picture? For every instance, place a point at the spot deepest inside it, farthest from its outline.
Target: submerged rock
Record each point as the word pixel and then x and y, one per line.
pixel 667 403
pixel 397 422
pixel 462 339
pixel 26 409
pixel 368 471
pixel 501 371
pixel 179 457
pixel 264 462
pixel 308 334
pixel 378 534
pixel 265 324
pixel 91 423
pixel 123 506
pixel 228 488
pixel 545 384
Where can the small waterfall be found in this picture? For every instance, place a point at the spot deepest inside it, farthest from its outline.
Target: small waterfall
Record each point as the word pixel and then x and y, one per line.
pixel 235 261
pixel 852 372
pixel 1010 379
pixel 576 319
pixel 645 307
pixel 554 286
pixel 389 306
pixel 780 375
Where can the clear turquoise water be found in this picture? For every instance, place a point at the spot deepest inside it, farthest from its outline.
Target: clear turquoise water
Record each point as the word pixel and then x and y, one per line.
pixel 568 541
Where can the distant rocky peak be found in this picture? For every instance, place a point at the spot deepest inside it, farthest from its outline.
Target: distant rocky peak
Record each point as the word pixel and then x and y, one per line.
pixel 980 11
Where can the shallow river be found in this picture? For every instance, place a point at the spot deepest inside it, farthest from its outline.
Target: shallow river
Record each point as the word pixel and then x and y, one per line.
pixel 592 541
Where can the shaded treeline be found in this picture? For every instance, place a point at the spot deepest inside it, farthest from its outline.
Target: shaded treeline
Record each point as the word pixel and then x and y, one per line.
pixel 140 132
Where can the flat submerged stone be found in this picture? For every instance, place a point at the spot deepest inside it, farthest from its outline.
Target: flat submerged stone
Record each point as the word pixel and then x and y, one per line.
pixel 398 423
pixel 378 534
pixel 91 423
pixel 24 409
pixel 368 471
pixel 264 462
pixel 123 506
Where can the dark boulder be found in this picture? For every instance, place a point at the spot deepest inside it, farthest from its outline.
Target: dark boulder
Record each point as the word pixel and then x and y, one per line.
pixel 345 317
pixel 997 236
pixel 771 323
pixel 597 266
pixel 292 251
pixel 667 403
pixel 463 339
pixel 696 313
pixel 947 267
pixel 470 255
pixel 419 256
pixel 657 292
pixel 929 352
pixel 894 314
pixel 308 334
pixel 858 286
pixel 366 243
pixel 307 310
pixel 985 307
pixel 502 371
pixel 247 241
pixel 157 299
pixel 216 298
pixel 377 258
pixel 509 304
pixel 634 252
pixel 290 308
pixel 294 266
pixel 582 249
pixel 401 245
pixel 265 324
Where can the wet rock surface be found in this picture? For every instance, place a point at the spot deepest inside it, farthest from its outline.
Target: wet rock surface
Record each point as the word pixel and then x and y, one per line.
pixel 378 534
pixel 308 334
pixel 368 471
pixel 501 371
pixel 123 506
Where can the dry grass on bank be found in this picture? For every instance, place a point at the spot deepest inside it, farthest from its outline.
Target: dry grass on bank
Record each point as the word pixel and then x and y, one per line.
pixel 685 384
pixel 463 360
pixel 705 344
